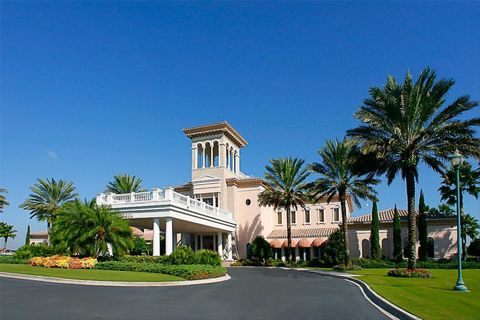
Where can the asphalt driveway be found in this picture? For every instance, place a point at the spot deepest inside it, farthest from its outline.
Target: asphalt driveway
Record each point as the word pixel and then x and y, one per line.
pixel 252 293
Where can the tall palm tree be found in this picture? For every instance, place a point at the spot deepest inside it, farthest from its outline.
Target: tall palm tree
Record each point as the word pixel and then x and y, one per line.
pixel 124 183
pixel 90 230
pixel 3 200
pixel 47 196
pixel 339 176
pixel 286 189
pixel 6 231
pixel 407 124
pixel 469 183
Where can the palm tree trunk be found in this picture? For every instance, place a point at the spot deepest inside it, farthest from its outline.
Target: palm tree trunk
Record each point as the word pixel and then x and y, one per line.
pixel 412 222
pixel 48 232
pixel 346 257
pixel 289 235
pixel 5 245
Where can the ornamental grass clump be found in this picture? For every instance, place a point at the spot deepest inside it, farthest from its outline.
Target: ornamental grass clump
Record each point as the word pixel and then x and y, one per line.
pixel 63 262
pixel 409 273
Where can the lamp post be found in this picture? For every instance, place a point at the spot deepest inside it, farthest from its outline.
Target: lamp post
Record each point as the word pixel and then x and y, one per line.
pixel 457 161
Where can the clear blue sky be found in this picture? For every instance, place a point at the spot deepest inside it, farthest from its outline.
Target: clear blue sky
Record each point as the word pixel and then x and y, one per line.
pixel 92 89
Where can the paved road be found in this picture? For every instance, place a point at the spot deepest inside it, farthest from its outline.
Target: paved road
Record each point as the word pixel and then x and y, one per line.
pixel 252 293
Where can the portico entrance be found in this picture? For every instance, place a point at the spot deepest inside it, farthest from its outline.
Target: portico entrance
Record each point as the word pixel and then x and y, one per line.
pixel 181 219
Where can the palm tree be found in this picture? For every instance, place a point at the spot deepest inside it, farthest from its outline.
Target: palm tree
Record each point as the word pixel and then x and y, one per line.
pixel 90 230
pixel 124 183
pixel 47 196
pixel 408 124
pixel 6 231
pixel 469 183
pixel 3 200
pixel 286 189
pixel 339 176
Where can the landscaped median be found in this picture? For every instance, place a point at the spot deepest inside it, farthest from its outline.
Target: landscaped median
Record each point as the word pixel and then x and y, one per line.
pixel 88 274
pixel 182 264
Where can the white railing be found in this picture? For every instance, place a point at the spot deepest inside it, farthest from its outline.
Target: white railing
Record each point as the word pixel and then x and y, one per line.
pixel 163 195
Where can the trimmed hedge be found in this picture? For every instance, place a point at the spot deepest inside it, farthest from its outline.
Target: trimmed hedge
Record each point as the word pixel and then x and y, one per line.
pixel 189 272
pixel 182 255
pixel 12 260
pixel 443 264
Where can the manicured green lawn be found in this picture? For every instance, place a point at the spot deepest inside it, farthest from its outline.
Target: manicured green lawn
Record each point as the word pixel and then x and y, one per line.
pixel 429 298
pixel 102 275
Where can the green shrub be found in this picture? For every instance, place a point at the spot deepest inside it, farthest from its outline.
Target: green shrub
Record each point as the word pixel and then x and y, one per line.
pixel 189 272
pixel 207 257
pixel 406 273
pixel 39 250
pixel 261 249
pixel 335 248
pixel 140 247
pixel 349 268
pixel 474 248
pixel 182 255
pixel 12 260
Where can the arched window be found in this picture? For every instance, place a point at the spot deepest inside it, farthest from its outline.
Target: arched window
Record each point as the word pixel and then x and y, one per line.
pixel 208 155
pixel 216 153
pixel 365 248
pixel 200 152
pixel 386 248
pixel 430 248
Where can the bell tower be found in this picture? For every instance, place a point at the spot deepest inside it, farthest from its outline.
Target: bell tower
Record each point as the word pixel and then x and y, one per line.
pixel 215 150
pixel 215 158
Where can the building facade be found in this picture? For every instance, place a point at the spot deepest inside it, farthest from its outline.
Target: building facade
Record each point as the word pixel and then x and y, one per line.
pixel 218 209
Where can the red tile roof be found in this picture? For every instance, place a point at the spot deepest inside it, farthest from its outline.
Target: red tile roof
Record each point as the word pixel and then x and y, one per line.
pixel 387 216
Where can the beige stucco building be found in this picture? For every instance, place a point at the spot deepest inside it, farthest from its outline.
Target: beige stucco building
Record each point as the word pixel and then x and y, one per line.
pixel 218 209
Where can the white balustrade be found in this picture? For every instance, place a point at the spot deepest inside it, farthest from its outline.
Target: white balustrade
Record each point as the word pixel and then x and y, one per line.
pixel 157 195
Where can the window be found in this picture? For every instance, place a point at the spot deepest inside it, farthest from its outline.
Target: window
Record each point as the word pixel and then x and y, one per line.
pixel 279 217
pixel 294 217
pixel 307 216
pixel 335 215
pixel 321 215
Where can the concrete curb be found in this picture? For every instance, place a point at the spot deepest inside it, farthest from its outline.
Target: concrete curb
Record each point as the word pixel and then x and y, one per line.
pixel 113 283
pixel 371 295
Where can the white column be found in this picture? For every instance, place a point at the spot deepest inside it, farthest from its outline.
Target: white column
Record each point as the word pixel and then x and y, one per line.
pixel 156 236
pixel 297 254
pixel 168 235
pixel 229 247
pixel 304 254
pixel 227 162
pixel 220 245
pixel 222 160
pixel 237 163
pixel 211 155
pixel 283 253
pixel 194 157
pixel 203 156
